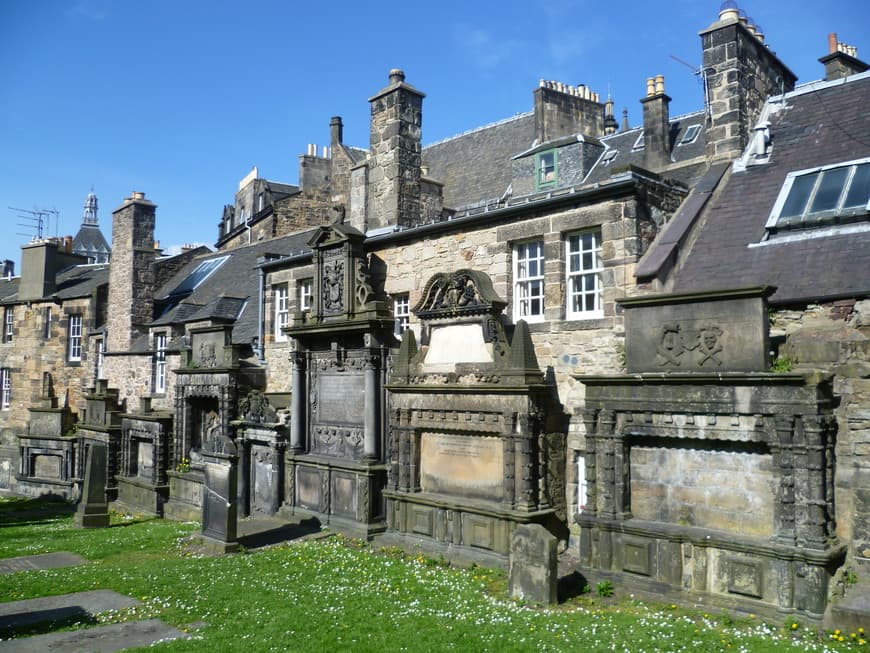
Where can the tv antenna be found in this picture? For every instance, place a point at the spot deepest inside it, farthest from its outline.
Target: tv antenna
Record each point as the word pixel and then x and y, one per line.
pixel 701 75
pixel 35 221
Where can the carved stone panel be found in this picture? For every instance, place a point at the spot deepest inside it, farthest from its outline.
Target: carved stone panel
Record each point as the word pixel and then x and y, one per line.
pixel 721 333
pixel 340 398
pixel 47 466
pixel 308 489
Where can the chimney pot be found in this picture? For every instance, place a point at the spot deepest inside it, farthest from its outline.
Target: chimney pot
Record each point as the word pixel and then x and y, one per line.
pixel 397 76
pixel 650 86
pixel 832 42
pixel 660 84
pixel 137 195
pixel 728 11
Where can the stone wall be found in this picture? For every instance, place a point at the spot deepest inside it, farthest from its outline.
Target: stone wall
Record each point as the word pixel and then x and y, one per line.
pixel 835 337
pixel 278 354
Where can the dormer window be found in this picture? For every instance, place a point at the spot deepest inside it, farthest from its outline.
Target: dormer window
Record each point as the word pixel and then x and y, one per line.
pixel 545 169
pixel 690 135
pixel 608 157
pixel 832 194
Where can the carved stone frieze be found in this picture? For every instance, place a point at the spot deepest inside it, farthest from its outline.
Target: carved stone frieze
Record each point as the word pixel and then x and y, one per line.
pixel 338 441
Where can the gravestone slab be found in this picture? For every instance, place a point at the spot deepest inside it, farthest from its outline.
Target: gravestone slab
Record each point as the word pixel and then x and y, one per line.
pixel 40 561
pixel 219 500
pixel 93 509
pixel 16 614
pixel 101 639
pixel 533 564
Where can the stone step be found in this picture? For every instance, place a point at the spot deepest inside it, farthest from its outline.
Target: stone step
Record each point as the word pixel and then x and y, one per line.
pixel 40 561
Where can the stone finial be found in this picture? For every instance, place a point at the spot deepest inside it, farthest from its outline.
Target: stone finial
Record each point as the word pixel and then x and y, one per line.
pixel 522 356
pixel 407 352
pixel 625 127
pixel 397 76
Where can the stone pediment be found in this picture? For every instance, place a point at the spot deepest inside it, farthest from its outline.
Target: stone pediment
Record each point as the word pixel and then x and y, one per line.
pixel 454 294
pixel 334 234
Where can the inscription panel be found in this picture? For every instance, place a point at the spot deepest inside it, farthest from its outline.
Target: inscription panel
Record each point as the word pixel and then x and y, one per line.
pixel 341 398
pixel 464 465
pixel 47 466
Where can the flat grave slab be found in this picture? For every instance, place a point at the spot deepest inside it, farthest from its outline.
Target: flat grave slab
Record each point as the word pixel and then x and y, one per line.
pixel 40 561
pixel 100 639
pixel 16 614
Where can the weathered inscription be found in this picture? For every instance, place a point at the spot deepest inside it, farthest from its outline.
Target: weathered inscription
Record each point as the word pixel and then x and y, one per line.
pixel 341 398
pixel 467 465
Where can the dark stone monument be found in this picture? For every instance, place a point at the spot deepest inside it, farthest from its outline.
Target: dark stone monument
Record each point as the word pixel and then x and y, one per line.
pixel 477 444
pixel 219 501
pixel 93 510
pixel 533 564
pixel 261 440
pixel 335 464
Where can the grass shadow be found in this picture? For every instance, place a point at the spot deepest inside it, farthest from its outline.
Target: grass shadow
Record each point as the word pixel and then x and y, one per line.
pixel 280 534
pixel 39 622
pixel 571 586
pixel 29 510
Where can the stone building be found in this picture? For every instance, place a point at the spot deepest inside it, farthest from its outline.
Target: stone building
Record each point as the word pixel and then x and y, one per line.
pixel 508 288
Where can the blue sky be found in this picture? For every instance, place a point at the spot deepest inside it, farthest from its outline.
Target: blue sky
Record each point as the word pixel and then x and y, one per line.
pixel 179 99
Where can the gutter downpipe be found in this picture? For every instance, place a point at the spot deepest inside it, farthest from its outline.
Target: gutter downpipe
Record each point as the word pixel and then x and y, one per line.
pixel 261 321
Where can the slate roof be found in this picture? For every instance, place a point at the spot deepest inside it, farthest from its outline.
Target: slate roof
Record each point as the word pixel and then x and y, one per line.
pixel 80 281
pixel 818 124
pixel 623 143
pixel 476 165
pixel 224 293
pixel 89 241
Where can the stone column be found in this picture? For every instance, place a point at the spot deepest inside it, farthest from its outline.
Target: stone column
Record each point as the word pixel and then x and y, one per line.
pixel 297 410
pixel 783 461
pixel 607 486
pixel 590 419
pixel 372 409
pixel 815 525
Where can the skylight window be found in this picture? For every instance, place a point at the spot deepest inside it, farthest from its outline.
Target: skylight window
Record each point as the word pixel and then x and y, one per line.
pixel 609 156
pixel 638 144
pixel 690 134
pixel 202 272
pixel 822 196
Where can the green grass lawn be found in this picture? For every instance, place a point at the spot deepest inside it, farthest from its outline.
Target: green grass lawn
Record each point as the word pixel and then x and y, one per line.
pixel 341 595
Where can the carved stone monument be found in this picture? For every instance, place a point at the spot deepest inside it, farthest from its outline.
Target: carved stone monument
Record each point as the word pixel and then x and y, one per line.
pixel 261 440
pixel 477 439
pixel 709 477
pixel 93 509
pixel 534 565
pixel 335 464
pixel 101 422
pixel 219 501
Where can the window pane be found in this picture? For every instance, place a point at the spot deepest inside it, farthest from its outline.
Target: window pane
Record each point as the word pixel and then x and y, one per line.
pixel 830 188
pixel 798 195
pixel 859 189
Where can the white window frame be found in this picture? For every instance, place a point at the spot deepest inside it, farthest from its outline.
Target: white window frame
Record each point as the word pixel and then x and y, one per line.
pixel 160 340
pixel 401 313
pixel 304 294
pixel 785 191
pixel 74 337
pixel 528 288
pixel 5 388
pixel 8 324
pixel 281 296
pixel 578 277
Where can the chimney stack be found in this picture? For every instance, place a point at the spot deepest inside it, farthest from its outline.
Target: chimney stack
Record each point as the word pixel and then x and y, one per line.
pixel 741 73
pixel 395 151
pixel 656 125
pixel 841 60
pixel 564 110
pixel 131 271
